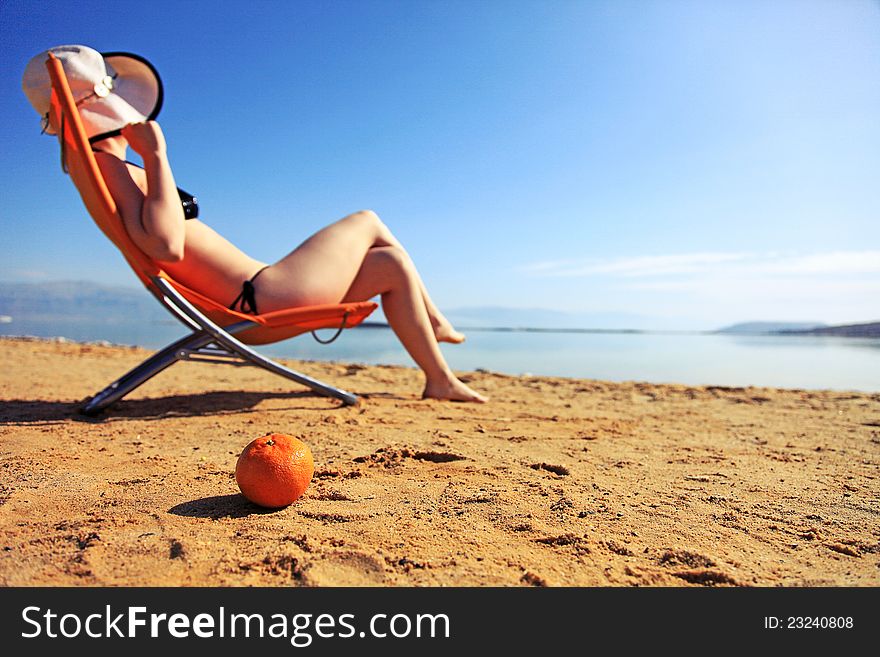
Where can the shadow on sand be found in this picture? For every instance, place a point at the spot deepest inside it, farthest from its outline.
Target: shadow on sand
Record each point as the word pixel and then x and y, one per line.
pixel 31 412
pixel 219 506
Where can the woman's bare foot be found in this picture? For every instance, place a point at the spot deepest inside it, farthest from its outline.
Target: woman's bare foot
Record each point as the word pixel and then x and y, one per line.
pixel 444 332
pixel 452 390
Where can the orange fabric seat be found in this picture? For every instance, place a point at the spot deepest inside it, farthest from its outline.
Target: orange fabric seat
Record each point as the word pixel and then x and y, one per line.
pixel 279 324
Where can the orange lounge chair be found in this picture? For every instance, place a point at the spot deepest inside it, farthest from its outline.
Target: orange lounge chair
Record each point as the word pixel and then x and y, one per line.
pixel 218 334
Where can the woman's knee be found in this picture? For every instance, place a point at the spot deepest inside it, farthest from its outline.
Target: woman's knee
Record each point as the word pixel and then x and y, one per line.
pixel 384 269
pixel 370 223
pixel 392 258
pixel 366 217
pixel 366 223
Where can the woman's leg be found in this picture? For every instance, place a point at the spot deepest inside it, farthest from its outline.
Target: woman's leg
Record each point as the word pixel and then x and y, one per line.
pixel 443 329
pixel 355 259
pixel 389 271
pixel 323 267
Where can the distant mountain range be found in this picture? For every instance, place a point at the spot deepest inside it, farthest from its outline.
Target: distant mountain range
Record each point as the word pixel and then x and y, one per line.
pixel 541 318
pixel 765 328
pixel 86 300
pixel 82 299
pixel 76 300
pixel 864 330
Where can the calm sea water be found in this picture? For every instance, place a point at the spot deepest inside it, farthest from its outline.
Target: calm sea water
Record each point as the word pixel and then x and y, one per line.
pixel 788 362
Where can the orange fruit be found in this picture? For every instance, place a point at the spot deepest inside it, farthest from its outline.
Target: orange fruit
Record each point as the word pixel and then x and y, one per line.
pixel 273 471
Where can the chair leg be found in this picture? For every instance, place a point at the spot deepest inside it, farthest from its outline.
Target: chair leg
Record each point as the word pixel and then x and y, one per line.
pixel 180 305
pixel 169 355
pixel 209 332
pixel 277 368
pixel 159 361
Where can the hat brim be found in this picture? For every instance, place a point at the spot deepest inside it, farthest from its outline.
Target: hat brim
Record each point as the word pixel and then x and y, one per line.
pixel 138 82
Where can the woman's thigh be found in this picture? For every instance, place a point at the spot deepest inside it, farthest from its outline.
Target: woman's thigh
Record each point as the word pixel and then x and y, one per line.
pixel 321 269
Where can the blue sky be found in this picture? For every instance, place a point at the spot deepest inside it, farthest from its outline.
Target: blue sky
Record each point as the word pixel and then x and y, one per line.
pixel 698 162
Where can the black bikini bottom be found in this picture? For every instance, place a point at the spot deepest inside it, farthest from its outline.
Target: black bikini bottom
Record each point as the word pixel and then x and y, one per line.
pixel 247 301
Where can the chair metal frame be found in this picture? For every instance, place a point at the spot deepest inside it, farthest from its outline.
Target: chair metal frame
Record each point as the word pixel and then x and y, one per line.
pixel 207 343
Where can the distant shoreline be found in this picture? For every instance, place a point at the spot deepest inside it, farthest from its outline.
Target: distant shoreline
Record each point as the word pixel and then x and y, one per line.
pixel 865 331
pixel 86 301
pixel 869 330
pixel 535 329
pixel 812 362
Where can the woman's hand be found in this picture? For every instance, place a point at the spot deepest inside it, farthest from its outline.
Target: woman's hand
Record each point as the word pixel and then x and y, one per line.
pixel 146 139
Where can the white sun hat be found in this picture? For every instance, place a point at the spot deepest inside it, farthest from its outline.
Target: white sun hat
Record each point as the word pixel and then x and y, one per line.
pixel 111 89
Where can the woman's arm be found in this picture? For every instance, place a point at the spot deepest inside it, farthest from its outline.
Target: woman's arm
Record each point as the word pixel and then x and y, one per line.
pixel 154 220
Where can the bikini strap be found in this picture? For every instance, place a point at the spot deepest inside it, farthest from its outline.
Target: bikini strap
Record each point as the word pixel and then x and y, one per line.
pixel 247 300
pixel 134 164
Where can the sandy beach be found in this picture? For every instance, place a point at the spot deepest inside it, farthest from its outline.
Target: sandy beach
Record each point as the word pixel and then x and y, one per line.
pixel 556 482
